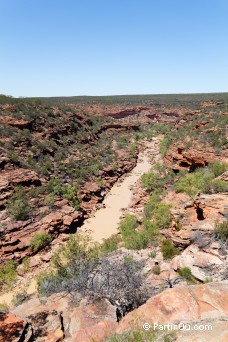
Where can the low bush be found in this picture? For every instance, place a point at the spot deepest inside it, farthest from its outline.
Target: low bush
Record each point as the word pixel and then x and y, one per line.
pixel 39 241
pixel 4 308
pixel 219 185
pixel 137 334
pixel 80 268
pixel 218 168
pixel 221 231
pixel 152 254
pixel 137 240
pixel 156 269
pixel 152 181
pixel 208 280
pixel 187 274
pixel 150 230
pixel 128 225
pixel 161 215
pixel 133 149
pixel 25 263
pixel 166 142
pixel 192 183
pixel 202 180
pixel 8 273
pixel 56 188
pixel 151 204
pixel 110 244
pixel 18 205
pixel 168 249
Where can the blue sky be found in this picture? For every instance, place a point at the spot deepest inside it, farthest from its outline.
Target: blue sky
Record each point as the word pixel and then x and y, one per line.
pixel 108 47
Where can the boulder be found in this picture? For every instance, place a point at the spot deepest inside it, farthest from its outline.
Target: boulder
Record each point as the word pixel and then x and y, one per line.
pixel 56 318
pixel 181 304
pixel 11 327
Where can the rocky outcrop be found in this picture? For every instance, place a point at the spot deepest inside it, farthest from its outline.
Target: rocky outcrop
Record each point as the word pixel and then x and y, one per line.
pixel 127 112
pixel 57 318
pixel 180 157
pixel 21 124
pixel 12 327
pixel 193 304
pixel 62 218
pixel 14 178
pixel 209 104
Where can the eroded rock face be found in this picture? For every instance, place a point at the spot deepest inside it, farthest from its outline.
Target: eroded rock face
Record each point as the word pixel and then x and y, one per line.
pixel 198 261
pixel 184 304
pixel 181 157
pixel 11 327
pixel 56 318
pixel 16 236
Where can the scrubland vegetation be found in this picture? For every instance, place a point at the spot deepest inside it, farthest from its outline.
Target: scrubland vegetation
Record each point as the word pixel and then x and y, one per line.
pixel 221 231
pixel 82 268
pixel 140 335
pixel 66 148
pixel 8 274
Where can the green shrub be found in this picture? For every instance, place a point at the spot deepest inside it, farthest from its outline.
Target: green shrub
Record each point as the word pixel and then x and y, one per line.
pixel 162 215
pixel 166 142
pixel 219 185
pixel 138 334
pixel 46 168
pixel 78 247
pixel 151 204
pixel 151 232
pixel 208 280
pixel 18 206
pixel 168 249
pixel 158 211
pixel 156 269
pixel 122 142
pixel 133 148
pixel 133 239
pixel 110 244
pixel 152 254
pixel 202 180
pixel 218 168
pixel 25 263
pixel 152 181
pixel 216 138
pixel 187 274
pixel 74 259
pixel 221 231
pixel 39 241
pixel 49 200
pixel 137 240
pixel 128 225
pixel 69 192
pixel 194 182
pixel 8 273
